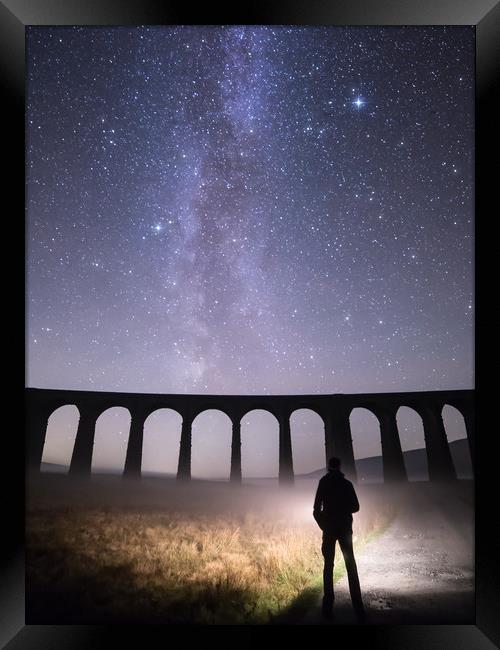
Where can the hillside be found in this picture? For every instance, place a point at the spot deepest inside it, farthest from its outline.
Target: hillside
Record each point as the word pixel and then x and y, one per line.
pixel 370 469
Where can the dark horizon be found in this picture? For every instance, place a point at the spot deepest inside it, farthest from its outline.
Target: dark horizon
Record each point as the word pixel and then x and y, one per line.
pixel 370 465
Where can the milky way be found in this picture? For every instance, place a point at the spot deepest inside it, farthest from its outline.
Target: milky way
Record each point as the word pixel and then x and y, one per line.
pixel 250 209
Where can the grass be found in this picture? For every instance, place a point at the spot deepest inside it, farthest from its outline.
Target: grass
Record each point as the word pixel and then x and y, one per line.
pixel 112 564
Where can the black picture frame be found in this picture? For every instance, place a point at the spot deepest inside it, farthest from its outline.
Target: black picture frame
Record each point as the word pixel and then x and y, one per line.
pixel 15 15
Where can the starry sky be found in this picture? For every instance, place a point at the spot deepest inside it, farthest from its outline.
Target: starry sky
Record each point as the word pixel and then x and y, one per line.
pixel 249 209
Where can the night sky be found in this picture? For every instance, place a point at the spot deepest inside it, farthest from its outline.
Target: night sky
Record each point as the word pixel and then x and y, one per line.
pixel 256 210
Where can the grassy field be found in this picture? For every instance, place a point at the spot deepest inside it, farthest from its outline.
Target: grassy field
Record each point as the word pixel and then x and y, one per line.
pixel 203 554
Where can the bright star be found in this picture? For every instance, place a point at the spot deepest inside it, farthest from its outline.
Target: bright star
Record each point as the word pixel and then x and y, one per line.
pixel 359 102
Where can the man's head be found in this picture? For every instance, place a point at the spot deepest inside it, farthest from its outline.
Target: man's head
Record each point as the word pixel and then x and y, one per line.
pixel 334 463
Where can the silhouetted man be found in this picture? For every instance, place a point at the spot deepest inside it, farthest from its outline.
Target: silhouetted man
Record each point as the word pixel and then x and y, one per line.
pixel 334 504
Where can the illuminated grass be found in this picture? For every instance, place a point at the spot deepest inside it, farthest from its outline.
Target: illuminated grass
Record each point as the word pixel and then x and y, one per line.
pixel 108 565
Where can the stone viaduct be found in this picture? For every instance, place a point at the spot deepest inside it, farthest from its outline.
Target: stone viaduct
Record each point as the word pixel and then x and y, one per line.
pixel 333 409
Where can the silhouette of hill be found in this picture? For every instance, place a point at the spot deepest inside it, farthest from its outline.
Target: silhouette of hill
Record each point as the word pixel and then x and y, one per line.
pixel 53 467
pixel 63 469
pixel 369 469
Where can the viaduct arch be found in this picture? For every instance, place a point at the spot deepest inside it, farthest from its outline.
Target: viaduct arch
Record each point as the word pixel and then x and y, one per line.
pixel 333 409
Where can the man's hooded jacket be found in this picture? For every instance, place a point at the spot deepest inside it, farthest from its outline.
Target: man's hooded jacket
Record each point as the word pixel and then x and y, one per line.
pixel 335 502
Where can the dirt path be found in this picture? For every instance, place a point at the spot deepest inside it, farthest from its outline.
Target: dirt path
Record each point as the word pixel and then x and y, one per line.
pixel 421 570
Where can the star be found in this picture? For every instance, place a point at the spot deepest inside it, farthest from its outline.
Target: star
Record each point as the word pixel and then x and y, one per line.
pixel 301 250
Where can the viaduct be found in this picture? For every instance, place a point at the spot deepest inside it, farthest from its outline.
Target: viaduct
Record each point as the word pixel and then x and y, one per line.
pixel 333 409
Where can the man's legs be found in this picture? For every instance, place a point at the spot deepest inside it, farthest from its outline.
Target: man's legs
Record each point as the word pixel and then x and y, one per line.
pixel 328 550
pixel 345 541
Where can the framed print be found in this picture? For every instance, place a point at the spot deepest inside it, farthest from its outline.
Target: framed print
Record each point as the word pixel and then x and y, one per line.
pixel 250 289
